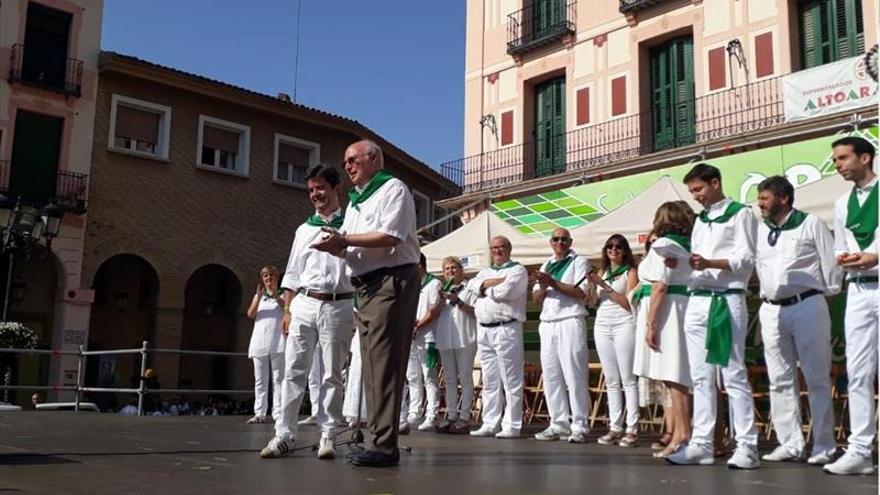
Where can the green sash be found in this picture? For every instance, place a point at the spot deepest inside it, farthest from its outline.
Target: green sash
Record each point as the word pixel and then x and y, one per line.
pixel 613 274
pixel 680 240
pixel 557 268
pixel 719 332
pixel 644 291
pixel 503 266
pixel 427 280
pixel 316 221
pixel 376 182
pixel 731 211
pixel 862 220
pixel 432 356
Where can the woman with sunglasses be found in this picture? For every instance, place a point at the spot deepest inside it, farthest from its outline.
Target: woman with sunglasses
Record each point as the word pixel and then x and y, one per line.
pixel 614 332
pixel 661 301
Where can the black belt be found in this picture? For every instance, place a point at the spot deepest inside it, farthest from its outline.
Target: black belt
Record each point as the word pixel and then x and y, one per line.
pixel 496 323
pixel 326 296
pixel 867 279
pixel 365 279
pixel 788 301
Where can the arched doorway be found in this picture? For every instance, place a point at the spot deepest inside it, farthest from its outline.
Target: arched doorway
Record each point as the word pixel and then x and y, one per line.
pixel 210 316
pixel 123 316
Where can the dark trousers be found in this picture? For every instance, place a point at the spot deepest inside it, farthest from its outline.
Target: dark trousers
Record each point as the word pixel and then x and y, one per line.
pixel 385 316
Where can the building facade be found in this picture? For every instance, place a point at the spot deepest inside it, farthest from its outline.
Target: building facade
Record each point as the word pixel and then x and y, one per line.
pixel 49 65
pixel 196 185
pixel 568 89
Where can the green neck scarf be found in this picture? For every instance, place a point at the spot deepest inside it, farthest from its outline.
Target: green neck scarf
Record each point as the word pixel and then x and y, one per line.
pixel 795 219
pixel 376 182
pixel 862 220
pixel 503 265
pixel 427 280
pixel 316 221
pixel 680 240
pixel 731 211
pixel 613 274
pixel 557 268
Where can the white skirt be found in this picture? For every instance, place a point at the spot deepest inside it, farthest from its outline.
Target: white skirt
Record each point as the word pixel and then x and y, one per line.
pixel 354 385
pixel 670 363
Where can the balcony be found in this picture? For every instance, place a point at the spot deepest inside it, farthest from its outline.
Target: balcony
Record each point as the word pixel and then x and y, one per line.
pixel 627 6
pixel 66 189
pixel 716 116
pixel 542 23
pixel 46 70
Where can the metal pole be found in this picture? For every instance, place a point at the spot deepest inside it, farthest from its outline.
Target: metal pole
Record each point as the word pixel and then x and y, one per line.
pixel 8 284
pixel 79 377
pixel 143 383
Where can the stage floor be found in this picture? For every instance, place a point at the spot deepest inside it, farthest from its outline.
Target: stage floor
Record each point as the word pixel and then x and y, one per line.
pixel 89 453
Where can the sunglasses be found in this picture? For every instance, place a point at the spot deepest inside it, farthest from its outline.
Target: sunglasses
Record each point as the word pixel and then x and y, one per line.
pixel 614 247
pixel 564 240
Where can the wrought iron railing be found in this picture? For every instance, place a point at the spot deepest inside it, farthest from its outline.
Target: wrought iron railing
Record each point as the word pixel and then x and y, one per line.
pixel 69 189
pixel 46 70
pixel 632 5
pixel 540 23
pixel 710 117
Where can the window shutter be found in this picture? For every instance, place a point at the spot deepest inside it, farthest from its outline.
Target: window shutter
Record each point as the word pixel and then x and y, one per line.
pixel 293 155
pixel 220 139
pixel 137 124
pixel 684 91
pixel 849 28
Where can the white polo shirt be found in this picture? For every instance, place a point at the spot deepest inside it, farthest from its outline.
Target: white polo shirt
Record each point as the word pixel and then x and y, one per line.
pixel 558 306
pixel 507 300
pixel 844 240
pixel 733 240
pixel 309 268
pixel 429 297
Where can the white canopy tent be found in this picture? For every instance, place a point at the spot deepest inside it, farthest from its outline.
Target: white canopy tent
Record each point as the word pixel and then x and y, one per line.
pixel 818 197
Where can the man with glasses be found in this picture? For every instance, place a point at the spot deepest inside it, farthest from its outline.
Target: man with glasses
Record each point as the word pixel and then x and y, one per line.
pixel 855 243
pixel 500 311
pixel 796 267
pixel 716 321
pixel 378 242
pixel 563 330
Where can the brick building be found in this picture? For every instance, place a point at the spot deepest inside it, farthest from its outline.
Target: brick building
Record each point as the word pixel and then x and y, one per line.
pixel 197 184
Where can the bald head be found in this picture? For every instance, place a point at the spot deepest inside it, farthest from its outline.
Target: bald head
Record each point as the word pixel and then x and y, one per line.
pixel 362 160
pixel 500 248
pixel 560 241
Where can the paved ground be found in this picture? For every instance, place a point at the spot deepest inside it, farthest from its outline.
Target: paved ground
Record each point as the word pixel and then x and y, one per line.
pixel 66 452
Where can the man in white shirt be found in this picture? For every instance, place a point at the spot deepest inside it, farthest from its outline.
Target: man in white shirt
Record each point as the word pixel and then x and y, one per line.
pixel 796 267
pixel 500 311
pixel 855 239
pixel 563 331
pixel 422 372
pixel 317 308
pixel 716 322
pixel 379 244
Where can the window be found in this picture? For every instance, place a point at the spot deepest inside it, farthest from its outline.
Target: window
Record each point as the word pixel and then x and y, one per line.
pixel 830 30
pixel 223 146
pixel 550 127
pixel 45 45
pixel 293 157
pixel 672 94
pixel 139 127
pixel 423 209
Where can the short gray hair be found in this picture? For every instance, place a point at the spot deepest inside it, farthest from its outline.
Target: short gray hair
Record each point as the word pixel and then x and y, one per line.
pixel 375 150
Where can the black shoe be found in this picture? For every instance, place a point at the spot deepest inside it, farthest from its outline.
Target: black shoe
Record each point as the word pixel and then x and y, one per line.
pixel 372 458
pixel 354 450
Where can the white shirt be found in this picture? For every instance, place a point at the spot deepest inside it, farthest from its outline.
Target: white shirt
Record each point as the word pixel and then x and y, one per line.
pixel 389 210
pixel 844 240
pixel 429 297
pixel 267 337
pixel 609 312
pixel 653 268
pixel 558 306
pixel 733 241
pixel 507 300
pixel 455 328
pixel 308 268
pixel 802 259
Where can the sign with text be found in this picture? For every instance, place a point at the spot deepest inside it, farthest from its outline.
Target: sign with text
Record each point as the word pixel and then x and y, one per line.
pixel 828 89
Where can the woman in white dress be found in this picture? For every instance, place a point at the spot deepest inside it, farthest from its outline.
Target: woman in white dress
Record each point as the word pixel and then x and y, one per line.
pixel 615 334
pixel 661 300
pixel 456 339
pixel 266 348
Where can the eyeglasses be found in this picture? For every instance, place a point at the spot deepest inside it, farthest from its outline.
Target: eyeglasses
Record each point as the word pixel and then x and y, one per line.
pixel 353 158
pixel 614 247
pixel 564 240
pixel 503 246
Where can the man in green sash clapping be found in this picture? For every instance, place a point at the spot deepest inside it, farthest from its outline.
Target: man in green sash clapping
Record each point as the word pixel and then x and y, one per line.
pixel 716 322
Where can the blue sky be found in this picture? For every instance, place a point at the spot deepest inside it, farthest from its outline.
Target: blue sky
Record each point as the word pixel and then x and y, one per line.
pixel 397 66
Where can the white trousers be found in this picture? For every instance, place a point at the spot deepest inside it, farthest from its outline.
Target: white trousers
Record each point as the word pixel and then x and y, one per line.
pixel 791 334
pixel 501 356
pixel 458 368
pixel 328 323
pixel 565 368
pixel 354 385
pixel 315 375
pixel 735 375
pixel 264 367
pixel 860 327
pixel 616 344
pixel 419 379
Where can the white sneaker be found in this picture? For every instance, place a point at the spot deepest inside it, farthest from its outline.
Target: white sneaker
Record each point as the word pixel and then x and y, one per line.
pixel 693 453
pixel 822 458
pixel 505 433
pixel 278 447
pixel 326 447
pixel 552 433
pixel 744 458
pixel 782 454
pixel 311 420
pixel 486 431
pixel 413 421
pixel 851 463
pixel 430 424
pixel 577 437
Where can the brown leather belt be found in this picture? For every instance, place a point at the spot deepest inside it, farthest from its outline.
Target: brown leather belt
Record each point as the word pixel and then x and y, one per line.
pixel 326 296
